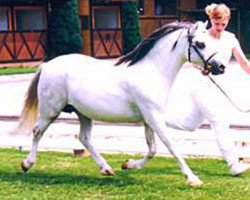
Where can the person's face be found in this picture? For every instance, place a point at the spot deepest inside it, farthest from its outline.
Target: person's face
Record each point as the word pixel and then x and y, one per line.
pixel 219 25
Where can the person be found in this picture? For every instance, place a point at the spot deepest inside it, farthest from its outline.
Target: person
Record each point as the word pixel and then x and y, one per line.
pixel 219 16
pixel 203 90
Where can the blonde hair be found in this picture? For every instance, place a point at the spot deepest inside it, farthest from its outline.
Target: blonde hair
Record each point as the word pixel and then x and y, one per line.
pixel 218 11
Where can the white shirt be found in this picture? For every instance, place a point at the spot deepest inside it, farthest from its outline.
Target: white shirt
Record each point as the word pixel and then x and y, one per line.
pixel 225 45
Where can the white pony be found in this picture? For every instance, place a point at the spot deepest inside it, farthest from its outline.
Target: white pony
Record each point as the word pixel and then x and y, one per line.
pixel 134 89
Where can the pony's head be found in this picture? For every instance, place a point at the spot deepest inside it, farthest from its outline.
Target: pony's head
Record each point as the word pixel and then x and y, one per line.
pixel 198 49
pixel 201 50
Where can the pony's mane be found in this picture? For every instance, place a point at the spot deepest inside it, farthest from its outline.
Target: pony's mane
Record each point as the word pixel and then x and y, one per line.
pixel 142 49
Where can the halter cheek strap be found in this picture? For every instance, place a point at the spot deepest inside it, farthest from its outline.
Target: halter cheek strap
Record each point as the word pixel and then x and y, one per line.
pixel 205 62
pixel 190 38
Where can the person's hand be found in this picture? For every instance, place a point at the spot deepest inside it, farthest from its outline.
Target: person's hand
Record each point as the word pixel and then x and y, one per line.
pixel 205 72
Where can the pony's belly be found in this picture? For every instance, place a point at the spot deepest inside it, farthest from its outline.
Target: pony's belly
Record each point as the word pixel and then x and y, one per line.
pixel 108 116
pixel 111 117
pixel 110 112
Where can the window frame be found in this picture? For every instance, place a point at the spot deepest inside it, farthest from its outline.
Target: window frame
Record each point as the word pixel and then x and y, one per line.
pixel 98 8
pixel 166 15
pixel 8 13
pixel 31 8
pixel 141 12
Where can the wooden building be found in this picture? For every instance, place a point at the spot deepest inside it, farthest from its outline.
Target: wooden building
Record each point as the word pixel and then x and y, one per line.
pixel 23 24
pixel 103 38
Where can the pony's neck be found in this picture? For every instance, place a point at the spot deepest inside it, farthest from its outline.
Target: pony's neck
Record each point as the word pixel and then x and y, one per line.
pixel 167 60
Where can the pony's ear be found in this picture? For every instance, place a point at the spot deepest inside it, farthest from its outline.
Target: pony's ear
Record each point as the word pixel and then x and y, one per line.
pixel 193 29
pixel 199 25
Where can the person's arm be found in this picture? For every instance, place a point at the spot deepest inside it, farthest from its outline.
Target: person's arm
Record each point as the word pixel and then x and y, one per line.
pixel 241 59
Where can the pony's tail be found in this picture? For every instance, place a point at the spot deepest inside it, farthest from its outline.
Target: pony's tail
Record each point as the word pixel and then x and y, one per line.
pixel 29 113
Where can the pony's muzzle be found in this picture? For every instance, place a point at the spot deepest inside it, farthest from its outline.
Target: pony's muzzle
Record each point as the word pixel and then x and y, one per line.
pixel 215 68
pixel 221 70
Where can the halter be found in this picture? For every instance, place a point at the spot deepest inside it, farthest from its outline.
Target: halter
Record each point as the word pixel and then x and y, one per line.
pixel 191 45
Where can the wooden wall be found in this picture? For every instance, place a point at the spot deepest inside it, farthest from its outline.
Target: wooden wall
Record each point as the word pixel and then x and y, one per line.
pixel 149 21
pixel 18 45
pixel 84 9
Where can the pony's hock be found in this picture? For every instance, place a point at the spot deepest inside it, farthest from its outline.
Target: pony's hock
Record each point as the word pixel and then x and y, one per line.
pixel 118 94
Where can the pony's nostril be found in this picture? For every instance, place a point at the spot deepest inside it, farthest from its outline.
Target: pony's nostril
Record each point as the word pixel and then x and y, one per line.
pixel 222 67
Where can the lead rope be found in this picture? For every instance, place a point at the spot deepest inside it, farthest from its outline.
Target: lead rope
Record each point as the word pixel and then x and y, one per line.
pixel 227 96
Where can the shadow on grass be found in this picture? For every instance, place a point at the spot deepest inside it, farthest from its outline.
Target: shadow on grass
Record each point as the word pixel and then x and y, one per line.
pixel 122 178
pixel 160 171
pixel 214 173
pixel 46 178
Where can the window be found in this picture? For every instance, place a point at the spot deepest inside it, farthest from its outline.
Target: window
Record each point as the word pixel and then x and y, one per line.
pixel 201 4
pixel 140 7
pixel 27 19
pixel 3 19
pixel 106 18
pixel 165 7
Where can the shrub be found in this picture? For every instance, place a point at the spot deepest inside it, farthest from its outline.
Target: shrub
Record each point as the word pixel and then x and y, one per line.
pixel 130 24
pixel 63 29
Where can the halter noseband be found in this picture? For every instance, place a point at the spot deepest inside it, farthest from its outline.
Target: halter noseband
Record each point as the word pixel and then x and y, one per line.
pixel 191 45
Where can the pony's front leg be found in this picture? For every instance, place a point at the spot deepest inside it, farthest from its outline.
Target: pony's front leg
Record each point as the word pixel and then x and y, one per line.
pixel 138 164
pixel 156 120
pixel 85 139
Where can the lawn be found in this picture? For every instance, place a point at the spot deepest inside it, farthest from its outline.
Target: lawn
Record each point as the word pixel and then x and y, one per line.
pixel 64 176
pixel 17 70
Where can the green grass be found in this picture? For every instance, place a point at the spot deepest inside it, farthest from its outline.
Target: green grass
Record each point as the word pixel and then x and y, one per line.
pixel 16 70
pixel 248 55
pixel 63 176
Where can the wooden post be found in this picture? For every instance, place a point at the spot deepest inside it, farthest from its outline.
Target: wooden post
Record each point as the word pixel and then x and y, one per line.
pixel 85 17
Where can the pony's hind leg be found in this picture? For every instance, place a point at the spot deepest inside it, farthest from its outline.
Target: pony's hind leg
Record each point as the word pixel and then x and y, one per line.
pixel 138 164
pixel 86 140
pixel 38 131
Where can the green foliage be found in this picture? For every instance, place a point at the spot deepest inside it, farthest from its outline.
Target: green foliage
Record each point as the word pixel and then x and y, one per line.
pixel 248 55
pixel 130 26
pixel 63 176
pixel 63 29
pixel 17 70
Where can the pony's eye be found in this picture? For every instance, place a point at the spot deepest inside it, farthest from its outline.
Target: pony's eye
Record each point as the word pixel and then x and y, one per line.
pixel 200 45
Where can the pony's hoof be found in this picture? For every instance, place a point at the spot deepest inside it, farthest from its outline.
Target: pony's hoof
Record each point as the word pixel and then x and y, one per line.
pixel 239 168
pixel 107 172
pixel 195 183
pixel 24 168
pixel 124 165
pixel 130 164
